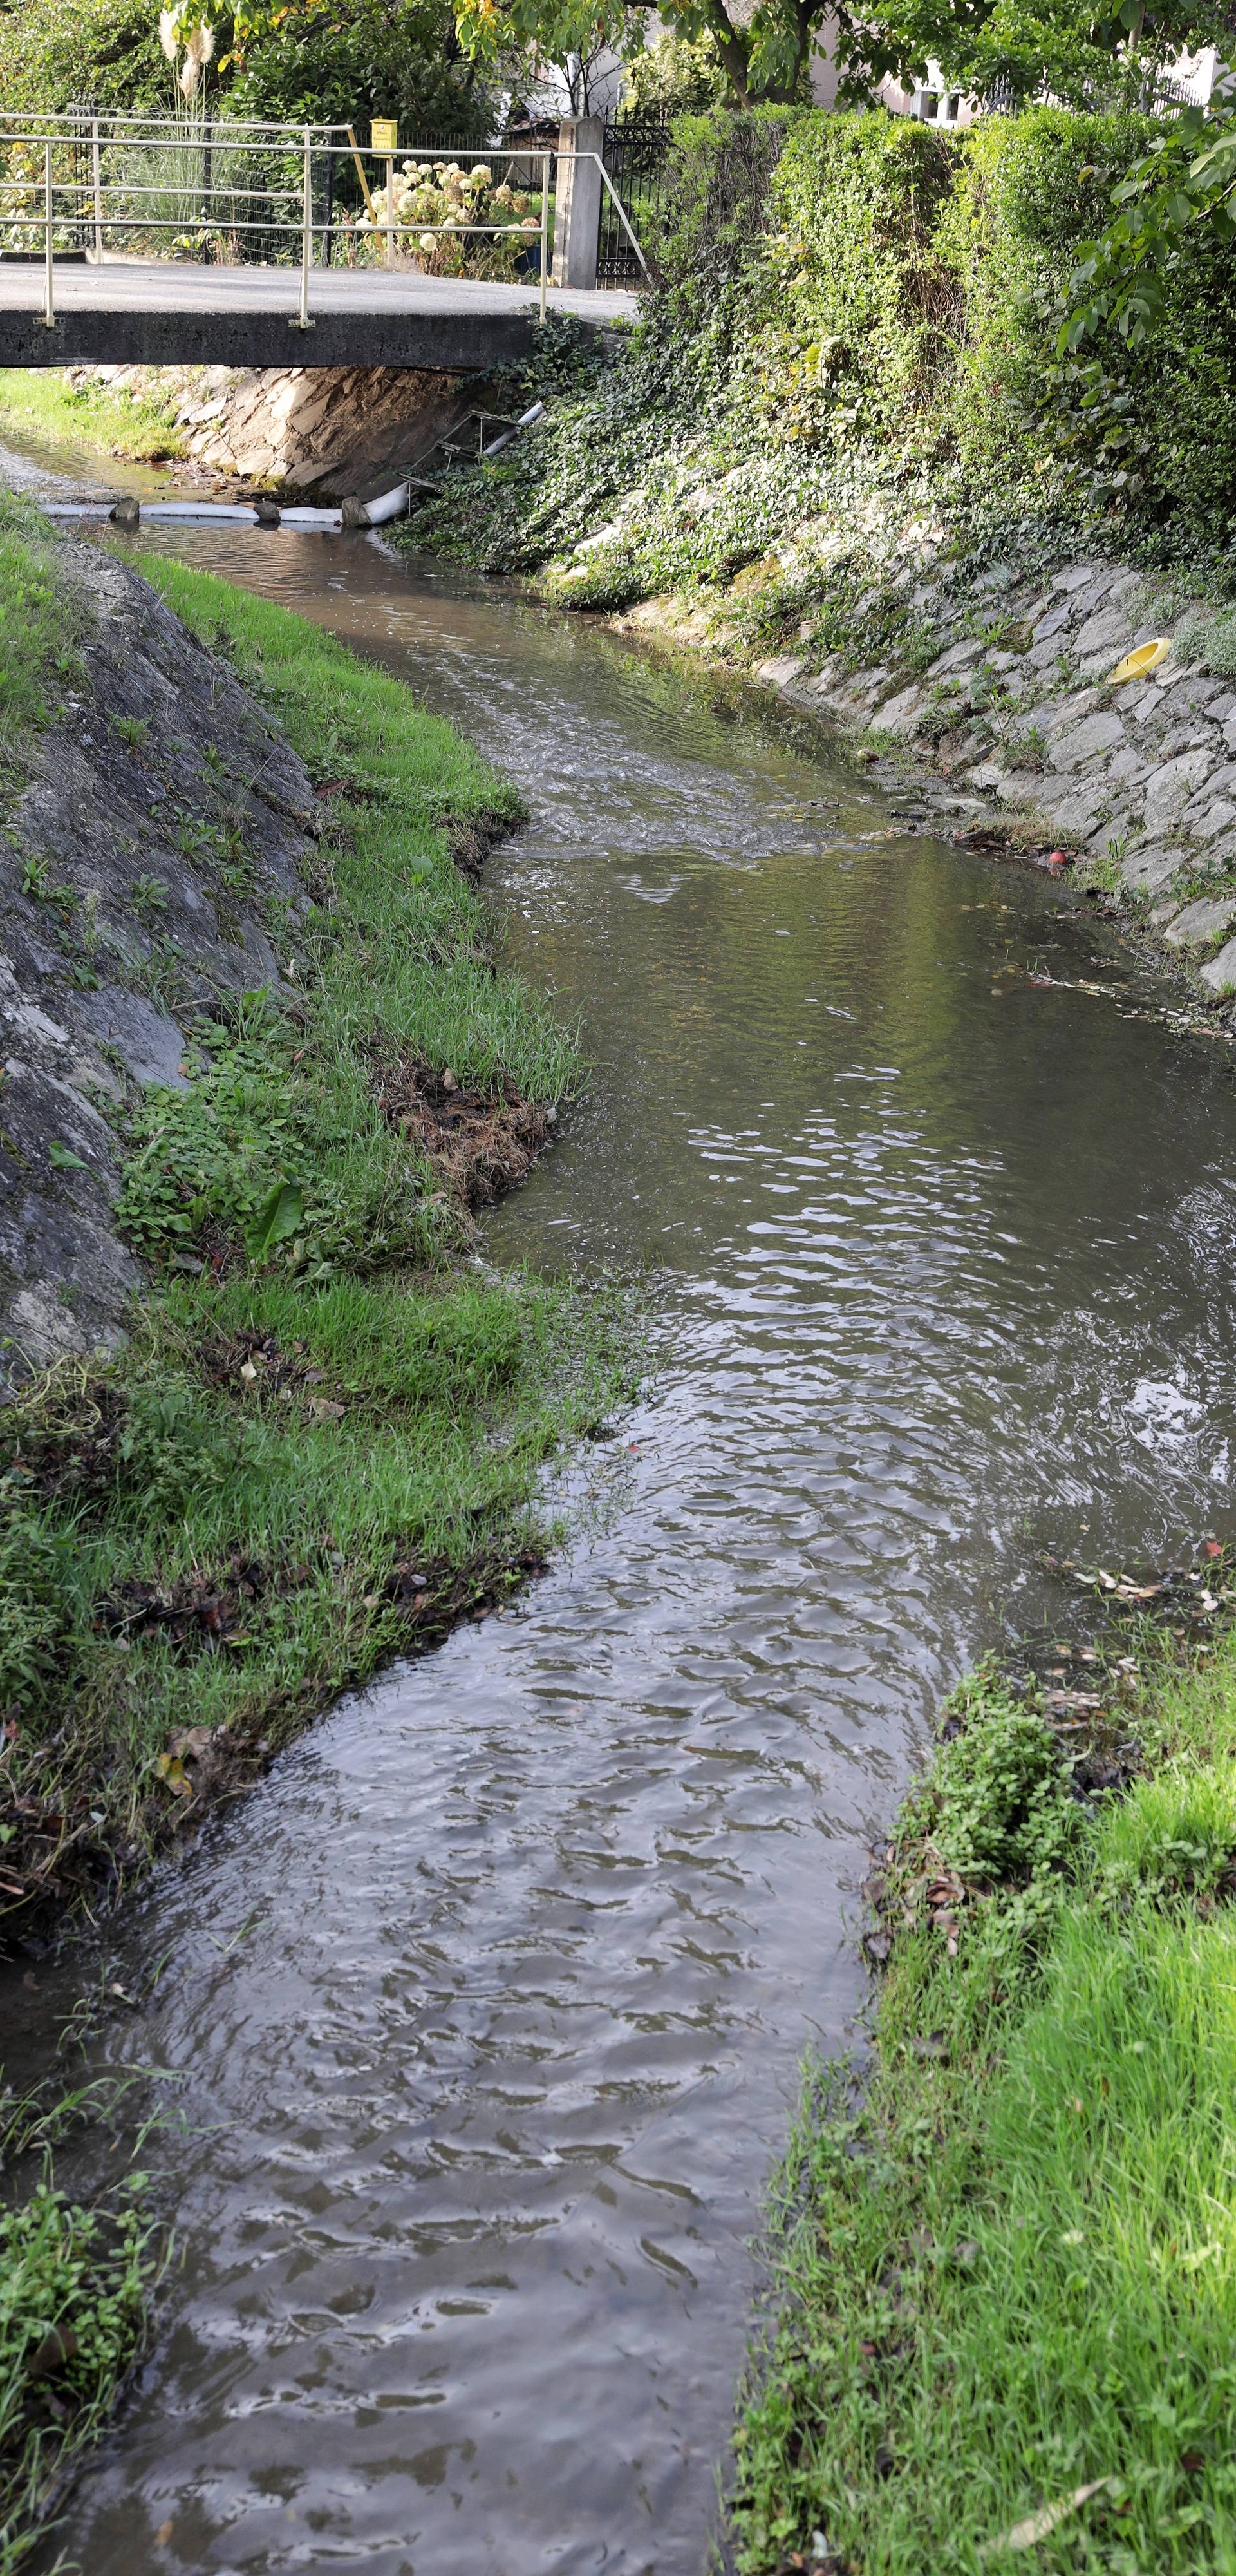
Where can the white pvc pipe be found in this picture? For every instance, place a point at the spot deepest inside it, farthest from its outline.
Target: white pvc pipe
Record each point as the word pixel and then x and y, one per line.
pixel 238 514
pixel 391 505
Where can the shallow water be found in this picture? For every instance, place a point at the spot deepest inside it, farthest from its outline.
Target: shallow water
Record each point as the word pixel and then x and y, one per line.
pixel 481 2101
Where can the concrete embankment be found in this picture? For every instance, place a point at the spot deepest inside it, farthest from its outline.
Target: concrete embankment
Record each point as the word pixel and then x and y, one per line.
pixel 155 860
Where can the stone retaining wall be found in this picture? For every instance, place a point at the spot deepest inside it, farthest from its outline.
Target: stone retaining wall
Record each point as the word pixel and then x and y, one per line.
pixel 1017 713
pixel 325 431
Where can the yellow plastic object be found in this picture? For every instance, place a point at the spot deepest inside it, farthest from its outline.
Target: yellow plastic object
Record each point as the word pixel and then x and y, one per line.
pixel 1146 657
pixel 384 134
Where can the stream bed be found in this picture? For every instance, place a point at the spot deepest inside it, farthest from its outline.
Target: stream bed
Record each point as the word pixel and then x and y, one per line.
pixel 487 2005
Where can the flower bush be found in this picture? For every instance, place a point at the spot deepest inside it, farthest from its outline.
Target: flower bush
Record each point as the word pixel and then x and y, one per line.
pixel 441 216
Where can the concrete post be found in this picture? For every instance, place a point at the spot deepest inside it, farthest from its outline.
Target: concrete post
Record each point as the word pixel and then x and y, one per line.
pixel 577 202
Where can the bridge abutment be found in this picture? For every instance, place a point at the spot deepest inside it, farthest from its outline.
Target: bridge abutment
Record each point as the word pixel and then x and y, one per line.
pixel 324 431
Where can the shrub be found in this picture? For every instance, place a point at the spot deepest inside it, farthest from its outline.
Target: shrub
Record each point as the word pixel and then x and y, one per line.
pixel 330 66
pixel 103 50
pixel 1210 641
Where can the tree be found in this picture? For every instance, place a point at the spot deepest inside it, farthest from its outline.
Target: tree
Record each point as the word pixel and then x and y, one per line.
pixel 1081 53
pixel 764 55
pixel 1179 197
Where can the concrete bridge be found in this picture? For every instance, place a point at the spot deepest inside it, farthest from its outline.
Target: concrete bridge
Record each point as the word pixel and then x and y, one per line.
pixel 152 242
pixel 174 313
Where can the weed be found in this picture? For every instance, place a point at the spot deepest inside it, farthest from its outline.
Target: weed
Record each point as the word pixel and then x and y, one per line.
pixel 131 730
pixel 149 897
pixel 77 2288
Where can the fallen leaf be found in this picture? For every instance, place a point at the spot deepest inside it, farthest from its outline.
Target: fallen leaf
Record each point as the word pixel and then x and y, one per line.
pixel 62 1160
pixel 247 1370
pixel 192 1740
pixel 174 1776
pixel 1213 1548
pixel 163 2535
pixel 1039 2526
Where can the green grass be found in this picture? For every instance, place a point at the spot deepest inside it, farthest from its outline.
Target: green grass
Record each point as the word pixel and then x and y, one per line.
pixel 42 400
pixel 75 2289
pixel 40 623
pixel 1008 2270
pixel 219 1527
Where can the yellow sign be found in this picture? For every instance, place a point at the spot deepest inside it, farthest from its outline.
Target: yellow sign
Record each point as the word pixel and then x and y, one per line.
pixel 384 135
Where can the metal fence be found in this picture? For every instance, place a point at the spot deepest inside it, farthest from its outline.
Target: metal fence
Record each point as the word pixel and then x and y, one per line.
pixel 636 156
pixel 218 191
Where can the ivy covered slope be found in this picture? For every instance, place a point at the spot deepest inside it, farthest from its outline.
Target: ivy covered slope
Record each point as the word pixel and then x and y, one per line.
pixel 260 1062
pixel 856 319
pixel 1005 2276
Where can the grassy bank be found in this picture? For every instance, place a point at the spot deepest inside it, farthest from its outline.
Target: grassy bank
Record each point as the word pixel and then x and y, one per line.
pixel 1004 2253
pixel 76 2301
pixel 43 402
pixel 321 1440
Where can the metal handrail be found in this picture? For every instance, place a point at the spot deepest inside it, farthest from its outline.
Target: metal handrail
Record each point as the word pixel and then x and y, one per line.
pixel 99 198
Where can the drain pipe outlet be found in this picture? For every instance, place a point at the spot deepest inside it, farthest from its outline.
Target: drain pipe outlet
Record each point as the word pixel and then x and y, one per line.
pixel 374 514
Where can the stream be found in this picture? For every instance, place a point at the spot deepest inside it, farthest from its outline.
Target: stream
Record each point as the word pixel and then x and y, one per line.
pixel 487 2005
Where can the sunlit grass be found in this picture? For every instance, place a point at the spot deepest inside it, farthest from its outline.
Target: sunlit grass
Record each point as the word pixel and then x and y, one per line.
pixel 42 400
pixel 1009 2272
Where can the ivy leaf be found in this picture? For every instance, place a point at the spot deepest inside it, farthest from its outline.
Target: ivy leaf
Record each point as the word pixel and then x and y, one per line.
pixel 278 1216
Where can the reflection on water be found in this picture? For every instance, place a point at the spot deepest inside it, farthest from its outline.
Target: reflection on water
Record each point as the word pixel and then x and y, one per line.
pixel 481 2103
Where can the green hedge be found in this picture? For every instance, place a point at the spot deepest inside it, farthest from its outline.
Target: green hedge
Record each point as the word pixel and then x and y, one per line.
pixel 1154 430
pixel 106 51
pixel 924 278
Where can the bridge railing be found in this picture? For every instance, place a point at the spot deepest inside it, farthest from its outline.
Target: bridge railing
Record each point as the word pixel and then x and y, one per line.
pixel 81 186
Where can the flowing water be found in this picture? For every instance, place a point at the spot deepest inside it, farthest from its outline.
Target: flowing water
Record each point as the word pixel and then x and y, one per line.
pixel 487 2003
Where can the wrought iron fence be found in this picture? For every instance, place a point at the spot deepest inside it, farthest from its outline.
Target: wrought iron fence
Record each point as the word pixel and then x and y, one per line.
pixel 636 155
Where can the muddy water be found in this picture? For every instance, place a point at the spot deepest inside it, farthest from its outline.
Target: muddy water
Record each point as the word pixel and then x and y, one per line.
pixel 486 2005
